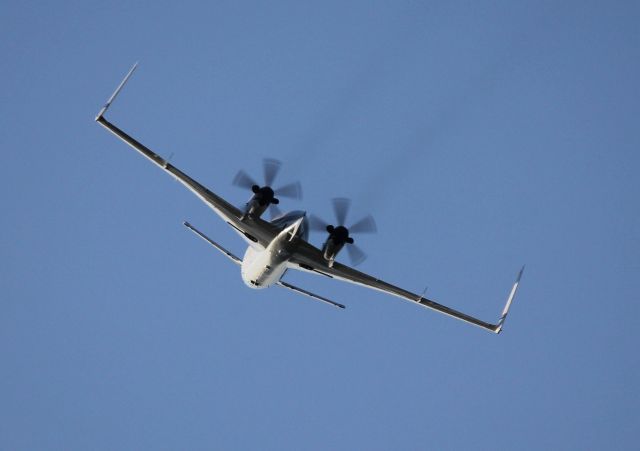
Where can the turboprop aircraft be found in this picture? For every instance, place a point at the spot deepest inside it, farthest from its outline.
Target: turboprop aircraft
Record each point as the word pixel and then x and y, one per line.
pixel 276 246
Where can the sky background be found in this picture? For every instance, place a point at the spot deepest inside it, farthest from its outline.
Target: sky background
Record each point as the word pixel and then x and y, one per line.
pixel 481 135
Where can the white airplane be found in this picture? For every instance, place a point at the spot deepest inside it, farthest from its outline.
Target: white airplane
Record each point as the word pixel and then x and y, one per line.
pixel 282 244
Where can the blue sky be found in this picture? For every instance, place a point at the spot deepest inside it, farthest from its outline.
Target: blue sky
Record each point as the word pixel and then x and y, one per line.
pixel 481 135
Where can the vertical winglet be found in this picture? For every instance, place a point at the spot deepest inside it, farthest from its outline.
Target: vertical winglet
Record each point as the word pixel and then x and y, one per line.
pixel 498 327
pixel 116 92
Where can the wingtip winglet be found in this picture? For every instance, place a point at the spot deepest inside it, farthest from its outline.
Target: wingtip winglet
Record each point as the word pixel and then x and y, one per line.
pixel 512 294
pixel 116 92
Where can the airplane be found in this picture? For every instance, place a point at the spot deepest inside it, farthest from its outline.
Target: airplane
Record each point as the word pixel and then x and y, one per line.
pixel 279 245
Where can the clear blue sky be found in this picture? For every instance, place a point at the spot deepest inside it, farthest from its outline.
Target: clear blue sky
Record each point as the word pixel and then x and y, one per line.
pixel 481 135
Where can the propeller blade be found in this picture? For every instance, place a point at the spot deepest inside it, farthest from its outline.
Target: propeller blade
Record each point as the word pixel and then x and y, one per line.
pixel 365 225
pixel 356 255
pixel 243 180
pixel 317 224
pixel 275 212
pixel 292 191
pixel 271 168
pixel 341 208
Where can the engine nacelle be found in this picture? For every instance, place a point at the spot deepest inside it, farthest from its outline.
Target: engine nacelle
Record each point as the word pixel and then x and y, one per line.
pixel 338 237
pixel 330 250
pixel 260 201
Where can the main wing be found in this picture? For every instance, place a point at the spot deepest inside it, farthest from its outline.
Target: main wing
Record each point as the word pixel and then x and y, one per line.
pixel 309 258
pixel 255 231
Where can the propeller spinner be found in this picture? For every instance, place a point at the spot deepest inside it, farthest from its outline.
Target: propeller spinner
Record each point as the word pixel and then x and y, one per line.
pixel 264 196
pixel 339 235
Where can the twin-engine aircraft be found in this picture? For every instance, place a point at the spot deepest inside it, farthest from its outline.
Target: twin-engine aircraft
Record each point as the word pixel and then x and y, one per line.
pixel 281 244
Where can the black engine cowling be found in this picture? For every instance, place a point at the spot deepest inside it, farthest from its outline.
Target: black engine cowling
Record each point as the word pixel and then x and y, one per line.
pixel 260 201
pixel 338 237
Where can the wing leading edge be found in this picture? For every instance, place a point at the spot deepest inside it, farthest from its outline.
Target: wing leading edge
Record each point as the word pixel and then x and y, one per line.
pixel 309 258
pixel 254 230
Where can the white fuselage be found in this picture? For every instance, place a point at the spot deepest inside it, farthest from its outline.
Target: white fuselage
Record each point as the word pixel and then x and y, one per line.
pixel 262 268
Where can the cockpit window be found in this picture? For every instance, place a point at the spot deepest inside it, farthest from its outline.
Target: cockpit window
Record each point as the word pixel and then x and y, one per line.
pixel 289 219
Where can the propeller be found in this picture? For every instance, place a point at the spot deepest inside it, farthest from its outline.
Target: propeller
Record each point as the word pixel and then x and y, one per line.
pixel 275 212
pixel 342 234
pixel 265 194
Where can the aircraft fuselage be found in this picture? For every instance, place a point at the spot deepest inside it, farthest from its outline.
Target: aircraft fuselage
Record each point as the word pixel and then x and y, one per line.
pixel 262 268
